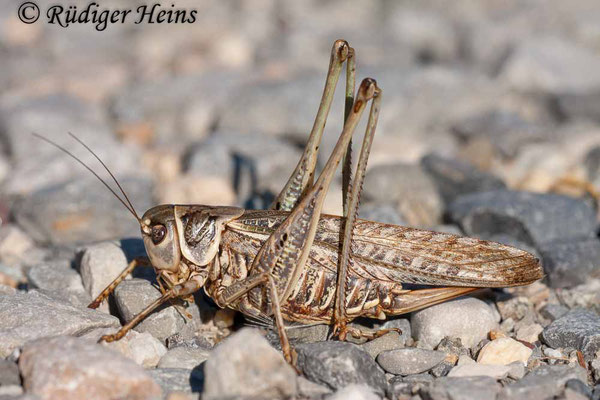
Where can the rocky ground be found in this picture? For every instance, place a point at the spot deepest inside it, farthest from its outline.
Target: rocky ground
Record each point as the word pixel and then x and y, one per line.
pixel 490 127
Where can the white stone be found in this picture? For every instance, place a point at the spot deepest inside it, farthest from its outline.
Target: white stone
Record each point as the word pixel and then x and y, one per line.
pixel 68 368
pixel 354 392
pixel 146 350
pixel 529 333
pixel 245 365
pixel 14 244
pixel 468 318
pixel 100 264
pixel 183 357
pixel 494 371
pixel 504 351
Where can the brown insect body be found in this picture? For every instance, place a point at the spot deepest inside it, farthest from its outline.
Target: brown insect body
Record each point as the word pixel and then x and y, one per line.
pixel 297 264
pixel 221 247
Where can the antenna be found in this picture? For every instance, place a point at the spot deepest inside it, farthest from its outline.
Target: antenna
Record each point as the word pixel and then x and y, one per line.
pixel 127 205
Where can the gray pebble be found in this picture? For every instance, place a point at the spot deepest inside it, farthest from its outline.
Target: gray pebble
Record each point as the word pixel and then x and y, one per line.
pixel 410 360
pixel 410 188
pixel 28 316
pixel 569 263
pixel 311 389
pixel 54 276
pixel 553 311
pixel 592 164
pixel 467 388
pixel 183 357
pixel 244 365
pixel 507 130
pixel 252 162
pixel 339 364
pixel 100 264
pixel 531 218
pixel 134 295
pixel 468 318
pixel 82 210
pixel 454 178
pixel 545 382
pixel 389 341
pixel 579 386
pixel 386 213
pixel 9 373
pixel 578 328
pixel 178 379
pixel 73 368
pixel 552 65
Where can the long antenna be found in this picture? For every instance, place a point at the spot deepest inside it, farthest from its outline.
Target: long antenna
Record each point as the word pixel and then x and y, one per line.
pixel 128 207
pixel 107 170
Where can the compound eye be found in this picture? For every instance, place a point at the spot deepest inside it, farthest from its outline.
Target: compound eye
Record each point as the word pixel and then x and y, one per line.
pixel 158 233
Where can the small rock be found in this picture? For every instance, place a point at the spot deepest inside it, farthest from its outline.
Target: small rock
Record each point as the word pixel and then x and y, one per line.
pixel 183 357
pixel 579 329
pixel 389 341
pixel 550 352
pixel 82 210
pixel 355 392
pixel 530 333
pixel 592 162
pixel 14 244
pixel 586 295
pixel 28 316
pixel 544 382
pixel 517 370
pixel 553 311
pixel 568 263
pixel 178 380
pixel 536 66
pixel 531 218
pixel 465 359
pixel 54 276
pixel 410 188
pixel 259 162
pixel 503 131
pixel 245 365
pixel 580 387
pixel 503 351
pixel 146 350
pixel 339 364
pixel 133 295
pixel 71 368
pixel 494 371
pixel 468 318
pixel 454 178
pixel 466 388
pixel 386 213
pixel 410 360
pixel 100 264
pixel 400 386
pixel 192 189
pixel 9 373
pixel 14 392
pixel 224 318
pixel 310 389
pixel 399 323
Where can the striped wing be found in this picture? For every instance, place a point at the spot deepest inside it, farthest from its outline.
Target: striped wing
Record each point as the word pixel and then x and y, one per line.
pixel 393 253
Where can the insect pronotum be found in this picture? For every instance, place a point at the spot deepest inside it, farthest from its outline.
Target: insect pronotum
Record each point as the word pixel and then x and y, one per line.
pixel 292 263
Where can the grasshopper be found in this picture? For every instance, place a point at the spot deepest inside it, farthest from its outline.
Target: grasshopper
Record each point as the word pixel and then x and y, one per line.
pixel 293 263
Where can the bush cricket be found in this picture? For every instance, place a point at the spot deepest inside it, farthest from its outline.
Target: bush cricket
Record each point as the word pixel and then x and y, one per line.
pixel 293 263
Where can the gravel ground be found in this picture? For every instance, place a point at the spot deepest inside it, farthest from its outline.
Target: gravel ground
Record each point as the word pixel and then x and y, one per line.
pixel 489 127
